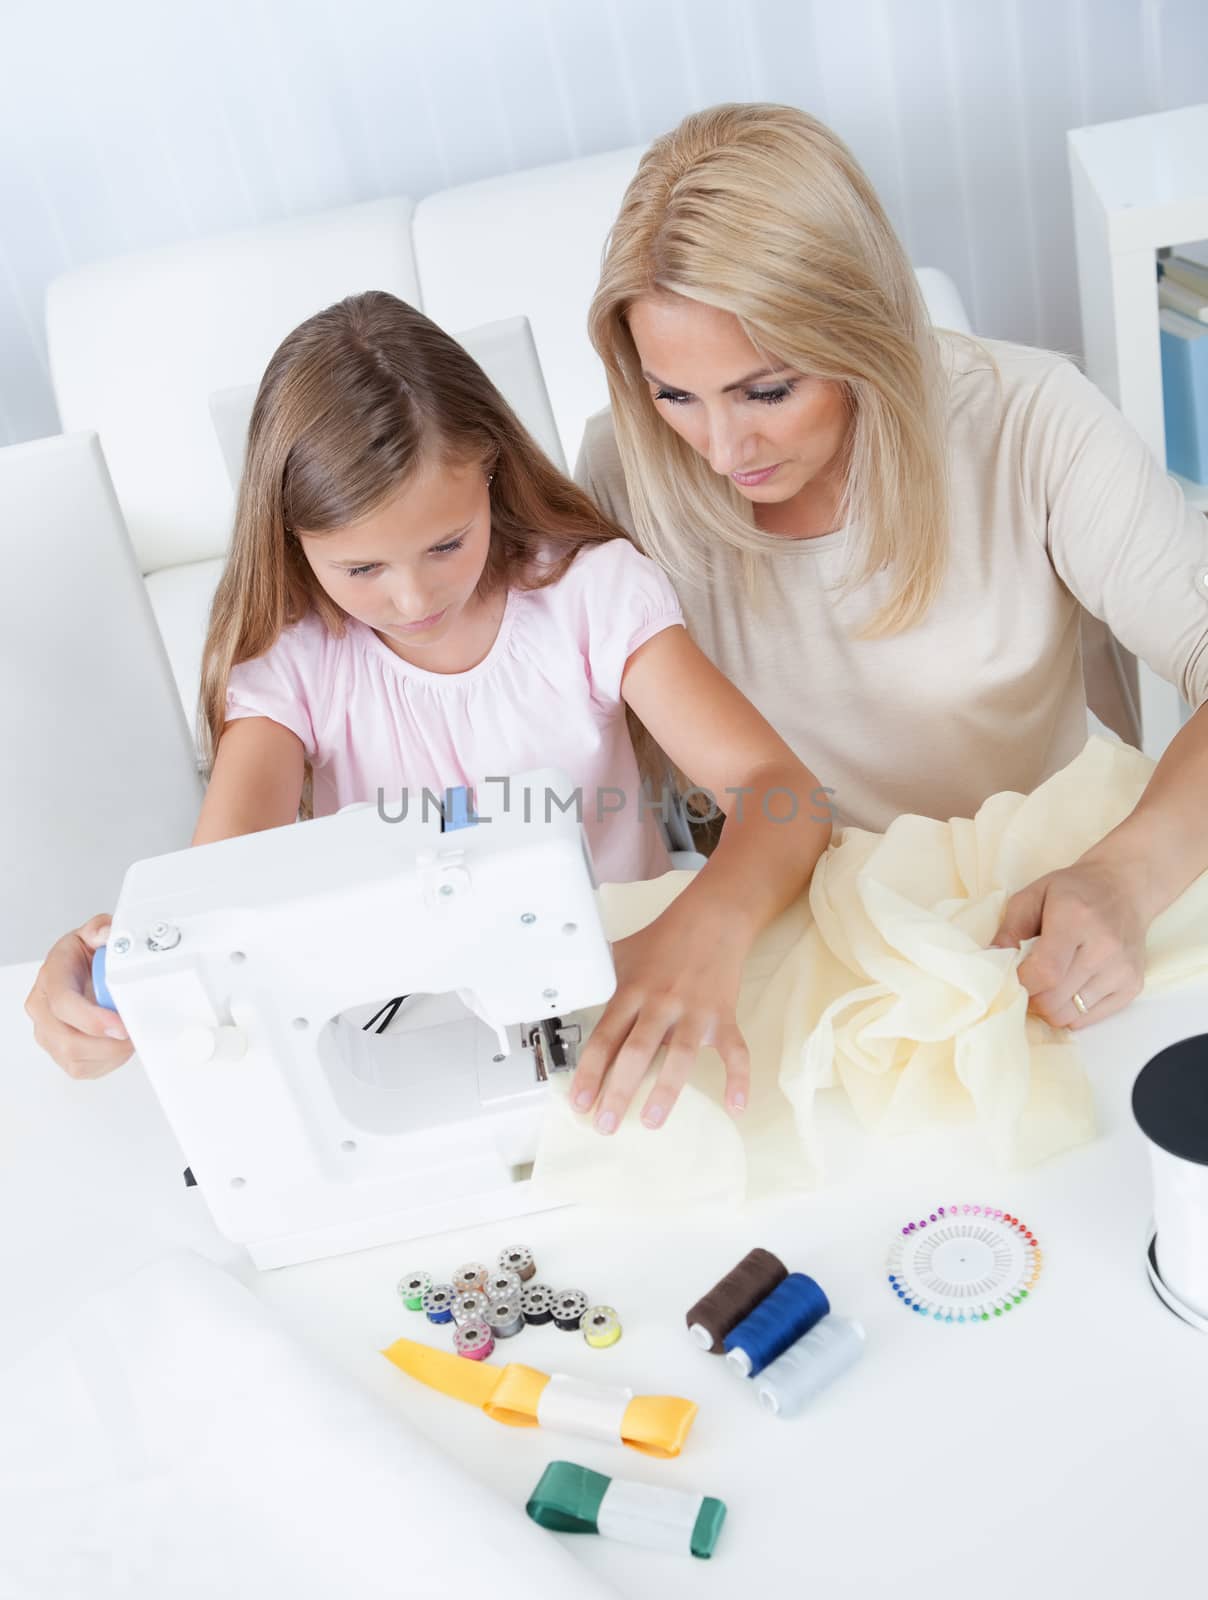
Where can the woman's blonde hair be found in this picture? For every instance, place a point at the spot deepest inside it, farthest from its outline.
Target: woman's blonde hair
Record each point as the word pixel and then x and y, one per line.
pixel 351 404
pixel 761 211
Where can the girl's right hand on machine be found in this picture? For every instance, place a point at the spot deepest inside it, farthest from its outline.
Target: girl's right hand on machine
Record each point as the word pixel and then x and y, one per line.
pixel 84 1038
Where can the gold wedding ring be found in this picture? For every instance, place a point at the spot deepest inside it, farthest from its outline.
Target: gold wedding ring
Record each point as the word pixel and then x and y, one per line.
pixel 1080 1004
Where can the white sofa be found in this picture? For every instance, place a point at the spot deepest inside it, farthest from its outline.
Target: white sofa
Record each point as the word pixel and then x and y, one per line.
pixel 140 346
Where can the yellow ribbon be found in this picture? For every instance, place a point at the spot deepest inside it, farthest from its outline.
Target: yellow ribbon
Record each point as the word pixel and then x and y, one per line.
pixel 655 1424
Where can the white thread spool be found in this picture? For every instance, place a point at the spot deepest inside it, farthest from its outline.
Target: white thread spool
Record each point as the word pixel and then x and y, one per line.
pixel 1170 1103
pixel 797 1377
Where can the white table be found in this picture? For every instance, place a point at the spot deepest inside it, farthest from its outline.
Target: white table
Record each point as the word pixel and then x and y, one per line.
pixel 1061 1450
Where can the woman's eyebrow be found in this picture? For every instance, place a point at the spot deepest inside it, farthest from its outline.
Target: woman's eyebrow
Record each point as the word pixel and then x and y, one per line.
pixel 739 383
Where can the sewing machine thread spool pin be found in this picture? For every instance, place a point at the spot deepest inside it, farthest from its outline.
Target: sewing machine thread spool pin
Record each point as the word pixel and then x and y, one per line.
pixel 470 1306
pixel 505 1318
pixel 412 1288
pixel 601 1327
pixel 569 1306
pixel 474 1340
pixel 470 1275
pixel 518 1258
pixel 163 936
pixel 537 1304
pixel 438 1302
pixel 504 1286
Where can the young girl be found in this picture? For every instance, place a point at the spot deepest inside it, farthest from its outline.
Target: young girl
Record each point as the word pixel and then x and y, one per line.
pixel 415 599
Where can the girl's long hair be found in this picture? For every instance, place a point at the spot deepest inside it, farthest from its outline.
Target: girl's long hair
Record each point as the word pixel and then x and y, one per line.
pixel 762 211
pixel 350 405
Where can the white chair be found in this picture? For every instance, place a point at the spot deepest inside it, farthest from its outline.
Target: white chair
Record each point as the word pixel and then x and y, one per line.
pixel 99 762
pixel 139 344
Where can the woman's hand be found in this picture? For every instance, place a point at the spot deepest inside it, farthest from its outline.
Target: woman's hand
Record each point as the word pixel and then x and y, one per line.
pixel 677 983
pixel 85 1039
pixel 1089 924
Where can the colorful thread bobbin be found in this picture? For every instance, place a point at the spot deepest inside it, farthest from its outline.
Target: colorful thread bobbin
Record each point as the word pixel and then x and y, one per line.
pixel 601 1326
pixel 518 1258
pixel 474 1340
pixel 569 1306
pixel 438 1302
pixel 503 1286
pixel 412 1288
pixel 505 1318
pixel 537 1304
pixel 789 1312
pixel 734 1297
pixel 470 1306
pixel 471 1275
pixel 964 1264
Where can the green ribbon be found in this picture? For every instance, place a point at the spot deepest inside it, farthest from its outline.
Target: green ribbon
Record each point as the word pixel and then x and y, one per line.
pixel 567 1500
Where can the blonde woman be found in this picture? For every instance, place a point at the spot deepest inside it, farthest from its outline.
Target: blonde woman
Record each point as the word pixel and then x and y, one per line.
pixel 881 533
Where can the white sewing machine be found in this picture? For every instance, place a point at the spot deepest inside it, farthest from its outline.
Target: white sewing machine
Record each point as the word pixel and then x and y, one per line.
pixel 261 981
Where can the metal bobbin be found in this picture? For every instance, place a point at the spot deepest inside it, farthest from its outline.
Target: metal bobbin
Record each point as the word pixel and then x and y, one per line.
pixel 537 1304
pixel 569 1306
pixel 518 1258
pixel 438 1302
pixel 474 1340
pixel 601 1326
pixel 412 1288
pixel 504 1318
pixel 470 1307
pixel 471 1275
pixel 503 1286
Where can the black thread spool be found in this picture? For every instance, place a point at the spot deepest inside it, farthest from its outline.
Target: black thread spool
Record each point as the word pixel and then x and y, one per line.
pixel 734 1298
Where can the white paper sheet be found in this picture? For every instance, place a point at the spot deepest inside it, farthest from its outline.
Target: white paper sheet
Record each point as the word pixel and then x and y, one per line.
pixel 173 1442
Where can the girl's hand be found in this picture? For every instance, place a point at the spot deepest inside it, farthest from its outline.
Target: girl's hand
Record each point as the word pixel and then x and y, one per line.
pixel 1091 941
pixel 677 984
pixel 85 1039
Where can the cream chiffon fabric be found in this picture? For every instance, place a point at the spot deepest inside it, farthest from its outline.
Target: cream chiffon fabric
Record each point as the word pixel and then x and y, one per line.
pixel 882 988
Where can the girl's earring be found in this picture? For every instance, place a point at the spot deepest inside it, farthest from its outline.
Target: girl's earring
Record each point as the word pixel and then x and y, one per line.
pixel 490 479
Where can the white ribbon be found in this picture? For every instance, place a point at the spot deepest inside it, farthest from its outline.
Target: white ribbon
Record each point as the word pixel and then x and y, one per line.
pixel 657 1519
pixel 571 1406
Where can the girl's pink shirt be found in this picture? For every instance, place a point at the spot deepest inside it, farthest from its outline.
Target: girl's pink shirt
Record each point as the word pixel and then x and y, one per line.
pixel 548 693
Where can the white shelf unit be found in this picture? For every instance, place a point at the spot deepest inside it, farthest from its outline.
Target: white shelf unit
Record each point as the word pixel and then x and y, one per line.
pixel 1139 186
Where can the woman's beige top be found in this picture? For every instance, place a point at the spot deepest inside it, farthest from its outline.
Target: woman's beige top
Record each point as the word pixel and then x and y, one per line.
pixel 1055 500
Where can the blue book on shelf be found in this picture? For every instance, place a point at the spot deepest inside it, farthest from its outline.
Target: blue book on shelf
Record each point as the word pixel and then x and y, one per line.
pixel 1185 394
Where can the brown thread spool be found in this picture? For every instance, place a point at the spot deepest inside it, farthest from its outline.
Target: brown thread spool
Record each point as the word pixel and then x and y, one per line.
pixel 735 1297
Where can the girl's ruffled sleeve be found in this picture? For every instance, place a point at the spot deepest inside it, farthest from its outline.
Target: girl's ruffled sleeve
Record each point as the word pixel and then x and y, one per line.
pixel 625 599
pixel 275 685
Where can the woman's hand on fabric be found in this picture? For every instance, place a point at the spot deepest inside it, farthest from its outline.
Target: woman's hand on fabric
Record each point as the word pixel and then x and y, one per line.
pixel 677 985
pixel 84 1038
pixel 1089 927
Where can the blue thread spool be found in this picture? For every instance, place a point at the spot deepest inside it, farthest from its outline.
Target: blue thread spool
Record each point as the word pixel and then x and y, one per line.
pixel 99 987
pixel 788 1313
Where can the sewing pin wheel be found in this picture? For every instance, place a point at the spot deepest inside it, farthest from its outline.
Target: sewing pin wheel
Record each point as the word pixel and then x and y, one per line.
pixel 964 1264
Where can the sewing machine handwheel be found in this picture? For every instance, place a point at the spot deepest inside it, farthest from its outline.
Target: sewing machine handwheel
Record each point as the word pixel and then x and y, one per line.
pixel 99 986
